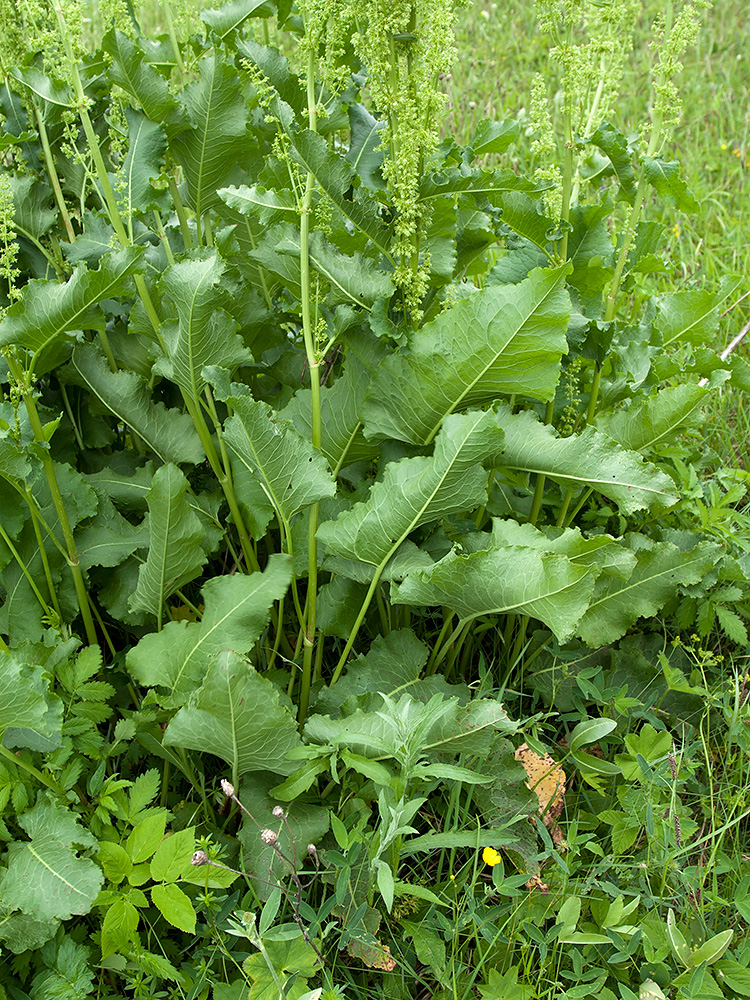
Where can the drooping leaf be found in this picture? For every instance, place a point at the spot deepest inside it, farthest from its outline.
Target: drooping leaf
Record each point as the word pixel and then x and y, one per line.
pixel 45 878
pixel 29 712
pixel 522 215
pixel 175 555
pixel 49 309
pixel 110 538
pixel 236 612
pixel 128 69
pixel 415 491
pixel 146 145
pixel 257 201
pixel 93 243
pixel 218 138
pixel 497 581
pixel 334 175
pixel 170 434
pixel 493 136
pixel 665 176
pixel 291 473
pixel 502 340
pixel 239 716
pixel 614 145
pixel 205 334
pixel 692 315
pixel 476 181
pixel 661 567
pixel 342 441
pixel 653 421
pixel 589 459
pixel 228 17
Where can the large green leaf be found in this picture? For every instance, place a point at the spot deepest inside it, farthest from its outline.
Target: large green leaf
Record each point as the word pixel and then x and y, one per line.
pixel 239 716
pixel 653 421
pixel 218 139
pixel 228 17
pixel 342 441
pixel 670 185
pixel 334 175
pixel 415 491
pixel 497 581
pixel 146 145
pixel 44 876
pixel 170 434
pixel 110 538
pixel 588 459
pixel 49 309
pixel 128 69
pixel 175 555
pixel 205 333
pixel 458 180
pixel 500 340
pixel 290 472
pixel 236 612
pixel 692 315
pixel 27 708
pixel 661 567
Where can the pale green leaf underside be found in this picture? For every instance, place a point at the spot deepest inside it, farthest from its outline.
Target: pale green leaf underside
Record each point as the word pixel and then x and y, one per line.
pixel 526 581
pixel 415 491
pixel 499 341
pixel 170 434
pixel 291 473
pixel 206 334
pixel 49 309
pixel 175 555
pixel 661 567
pixel 239 716
pixel 588 459
pixel 236 612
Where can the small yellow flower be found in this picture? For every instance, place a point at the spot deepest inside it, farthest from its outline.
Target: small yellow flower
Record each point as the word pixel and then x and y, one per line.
pixel 491 857
pixel 676 230
pixel 723 145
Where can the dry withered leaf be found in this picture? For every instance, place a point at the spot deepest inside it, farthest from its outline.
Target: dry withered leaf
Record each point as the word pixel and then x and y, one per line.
pixel 547 780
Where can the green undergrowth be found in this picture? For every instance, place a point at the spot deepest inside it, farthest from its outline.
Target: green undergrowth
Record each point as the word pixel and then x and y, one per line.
pixel 374 532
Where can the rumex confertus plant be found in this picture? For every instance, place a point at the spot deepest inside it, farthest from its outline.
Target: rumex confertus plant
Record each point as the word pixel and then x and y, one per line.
pixel 290 379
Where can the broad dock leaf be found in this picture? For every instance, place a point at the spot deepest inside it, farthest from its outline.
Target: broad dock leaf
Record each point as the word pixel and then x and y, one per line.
pixel 170 434
pixel 175 555
pixel 415 491
pixel 661 567
pixel 44 876
pixel 145 157
pixel 497 581
pixel 236 611
pixel 291 473
pixel 586 459
pixel 49 309
pixel 501 340
pixel 239 716
pixel 205 334
pixel 652 422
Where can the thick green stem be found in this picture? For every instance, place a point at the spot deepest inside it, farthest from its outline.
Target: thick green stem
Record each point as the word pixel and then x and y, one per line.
pixel 536 504
pixel 358 622
pixel 52 173
pixel 57 499
pixel 187 237
pixel 173 36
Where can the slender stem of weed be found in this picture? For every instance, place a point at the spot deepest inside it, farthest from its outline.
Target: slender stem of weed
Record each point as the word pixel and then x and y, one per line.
pixel 30 769
pixel 187 237
pixel 24 569
pixel 358 622
pixel 447 626
pixel 173 36
pixel 536 503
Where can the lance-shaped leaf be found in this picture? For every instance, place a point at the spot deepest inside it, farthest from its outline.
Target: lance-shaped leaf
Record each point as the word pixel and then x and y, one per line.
pixel 146 145
pixel 507 339
pixel 44 876
pixel 476 181
pixel 48 309
pixel 342 441
pixel 170 434
pixel 669 183
pixel 334 175
pixel 653 421
pixel 257 201
pixel 614 145
pixel 291 473
pixel 175 555
pixel 661 567
pixel 205 334
pixel 588 459
pixel 496 581
pixel 239 716
pixel 128 69
pixel 415 491
pixel 218 138
pixel 228 17
pixel 236 611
